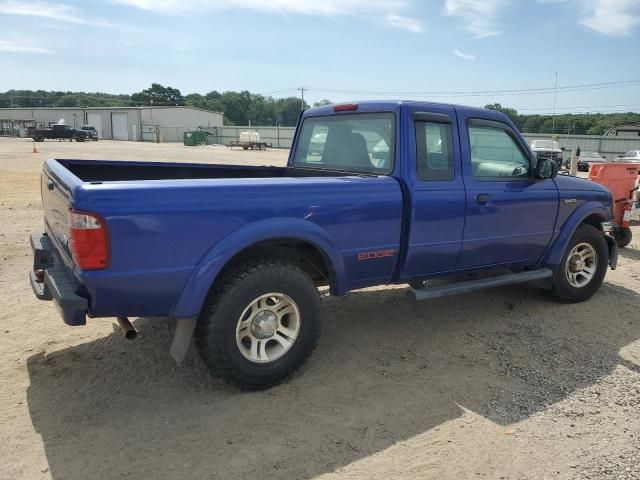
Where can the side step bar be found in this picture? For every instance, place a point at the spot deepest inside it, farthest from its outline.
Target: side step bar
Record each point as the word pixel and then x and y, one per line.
pixel 472 285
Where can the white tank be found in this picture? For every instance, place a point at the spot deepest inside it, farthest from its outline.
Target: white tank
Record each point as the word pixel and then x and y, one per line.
pixel 249 137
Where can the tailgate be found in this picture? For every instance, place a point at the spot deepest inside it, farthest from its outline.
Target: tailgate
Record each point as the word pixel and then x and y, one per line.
pixel 56 201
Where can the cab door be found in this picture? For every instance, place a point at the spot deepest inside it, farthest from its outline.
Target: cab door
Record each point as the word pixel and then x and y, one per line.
pixel 436 198
pixel 510 215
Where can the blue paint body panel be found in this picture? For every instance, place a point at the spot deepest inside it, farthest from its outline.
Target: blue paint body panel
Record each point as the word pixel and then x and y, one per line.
pixel 170 238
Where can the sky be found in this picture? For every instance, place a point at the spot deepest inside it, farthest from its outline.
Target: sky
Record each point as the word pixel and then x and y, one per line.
pixel 461 51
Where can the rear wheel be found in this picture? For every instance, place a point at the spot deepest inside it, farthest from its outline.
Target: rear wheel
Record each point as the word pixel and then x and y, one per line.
pixel 260 324
pixel 623 236
pixel 583 266
pixel 39 138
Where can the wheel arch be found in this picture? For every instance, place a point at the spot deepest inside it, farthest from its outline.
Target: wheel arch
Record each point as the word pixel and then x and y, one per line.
pixel 303 241
pixel 590 213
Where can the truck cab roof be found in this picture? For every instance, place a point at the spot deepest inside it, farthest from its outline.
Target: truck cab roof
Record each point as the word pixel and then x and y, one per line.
pixel 392 105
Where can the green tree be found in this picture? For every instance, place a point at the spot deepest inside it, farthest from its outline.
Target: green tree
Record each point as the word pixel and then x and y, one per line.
pixel 158 95
pixel 510 112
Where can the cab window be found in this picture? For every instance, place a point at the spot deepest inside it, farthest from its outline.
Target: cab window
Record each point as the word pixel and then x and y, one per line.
pixel 434 151
pixel 356 143
pixel 496 155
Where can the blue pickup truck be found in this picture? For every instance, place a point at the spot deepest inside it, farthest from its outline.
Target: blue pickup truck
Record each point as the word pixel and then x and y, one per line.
pixel 373 193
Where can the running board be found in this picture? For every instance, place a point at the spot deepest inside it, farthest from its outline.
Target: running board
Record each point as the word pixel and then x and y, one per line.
pixel 470 286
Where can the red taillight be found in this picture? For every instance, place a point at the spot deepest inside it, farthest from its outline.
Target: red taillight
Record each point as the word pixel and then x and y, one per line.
pixel 88 240
pixel 346 107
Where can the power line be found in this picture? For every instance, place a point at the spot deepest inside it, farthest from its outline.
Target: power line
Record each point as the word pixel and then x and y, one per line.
pixel 580 107
pixel 278 91
pixel 467 93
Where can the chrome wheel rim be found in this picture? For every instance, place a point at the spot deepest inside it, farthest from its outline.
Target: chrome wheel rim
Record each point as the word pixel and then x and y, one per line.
pixel 268 328
pixel 581 265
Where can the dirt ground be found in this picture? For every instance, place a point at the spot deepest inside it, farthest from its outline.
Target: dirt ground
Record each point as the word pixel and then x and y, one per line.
pixel 504 384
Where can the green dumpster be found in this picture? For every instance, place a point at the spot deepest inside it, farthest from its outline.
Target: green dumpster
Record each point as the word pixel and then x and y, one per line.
pixel 201 136
pixel 190 139
pixel 197 137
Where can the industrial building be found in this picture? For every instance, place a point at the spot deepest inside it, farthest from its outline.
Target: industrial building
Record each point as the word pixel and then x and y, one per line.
pixel 155 124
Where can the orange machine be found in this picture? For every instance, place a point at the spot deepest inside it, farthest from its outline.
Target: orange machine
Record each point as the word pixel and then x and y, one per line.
pixel 621 180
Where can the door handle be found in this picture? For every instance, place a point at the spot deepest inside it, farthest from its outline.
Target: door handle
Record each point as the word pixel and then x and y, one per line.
pixel 483 198
pixel 50 184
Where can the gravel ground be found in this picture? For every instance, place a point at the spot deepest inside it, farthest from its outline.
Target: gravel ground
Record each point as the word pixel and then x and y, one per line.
pixel 504 383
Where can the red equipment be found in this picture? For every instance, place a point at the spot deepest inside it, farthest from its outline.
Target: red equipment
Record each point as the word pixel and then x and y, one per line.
pixel 620 179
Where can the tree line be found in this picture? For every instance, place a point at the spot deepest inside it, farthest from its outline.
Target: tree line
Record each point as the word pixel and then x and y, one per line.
pixel 244 107
pixel 238 108
pixel 568 124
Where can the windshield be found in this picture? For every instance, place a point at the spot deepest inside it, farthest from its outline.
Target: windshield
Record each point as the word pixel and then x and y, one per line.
pixel 545 144
pixel 354 142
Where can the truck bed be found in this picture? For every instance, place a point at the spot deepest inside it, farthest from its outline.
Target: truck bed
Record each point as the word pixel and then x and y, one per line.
pixel 108 171
pixel 166 219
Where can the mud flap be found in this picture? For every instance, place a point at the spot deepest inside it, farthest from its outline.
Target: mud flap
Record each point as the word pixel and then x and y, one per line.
pixel 182 336
pixel 613 251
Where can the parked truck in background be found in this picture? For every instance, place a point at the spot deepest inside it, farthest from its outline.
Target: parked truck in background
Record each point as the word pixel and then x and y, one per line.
pixel 62 132
pixel 548 149
pixel 236 253
pixel 91 132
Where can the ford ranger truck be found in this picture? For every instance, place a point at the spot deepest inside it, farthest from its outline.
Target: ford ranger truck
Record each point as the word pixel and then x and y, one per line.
pixel 374 193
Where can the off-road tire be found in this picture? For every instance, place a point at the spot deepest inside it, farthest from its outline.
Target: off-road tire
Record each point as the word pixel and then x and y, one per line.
pixel 623 236
pixel 562 289
pixel 216 328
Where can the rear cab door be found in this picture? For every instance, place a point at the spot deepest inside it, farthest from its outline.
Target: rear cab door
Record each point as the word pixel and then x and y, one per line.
pixel 510 215
pixel 436 203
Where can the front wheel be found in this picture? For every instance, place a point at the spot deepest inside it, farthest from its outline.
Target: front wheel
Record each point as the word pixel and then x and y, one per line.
pixel 259 324
pixel 583 266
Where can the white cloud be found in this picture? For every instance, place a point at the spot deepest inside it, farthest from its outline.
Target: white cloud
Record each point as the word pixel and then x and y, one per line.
pixel 608 17
pixel 465 56
pixel 54 11
pixel 485 35
pixel 479 15
pixel 309 7
pixel 8 46
pixel 403 23
pixel 386 11
pixel 611 17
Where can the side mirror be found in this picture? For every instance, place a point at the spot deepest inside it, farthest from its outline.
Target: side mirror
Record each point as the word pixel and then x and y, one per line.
pixel 562 148
pixel 546 168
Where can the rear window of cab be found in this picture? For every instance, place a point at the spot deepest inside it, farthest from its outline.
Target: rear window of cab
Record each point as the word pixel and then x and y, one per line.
pixel 360 143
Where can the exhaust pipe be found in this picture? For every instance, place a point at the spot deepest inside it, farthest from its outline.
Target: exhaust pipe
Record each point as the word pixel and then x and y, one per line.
pixel 129 331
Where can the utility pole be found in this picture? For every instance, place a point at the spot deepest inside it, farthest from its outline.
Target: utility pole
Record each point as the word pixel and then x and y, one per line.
pixel 302 89
pixel 553 120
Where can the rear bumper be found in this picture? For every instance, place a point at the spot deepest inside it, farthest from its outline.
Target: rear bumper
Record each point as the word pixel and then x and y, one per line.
pixel 51 280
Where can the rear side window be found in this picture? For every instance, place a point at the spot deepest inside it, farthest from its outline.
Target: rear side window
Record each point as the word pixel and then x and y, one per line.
pixel 356 143
pixel 496 155
pixel 434 151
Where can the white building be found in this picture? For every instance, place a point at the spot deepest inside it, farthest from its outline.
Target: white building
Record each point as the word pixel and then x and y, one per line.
pixel 163 124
